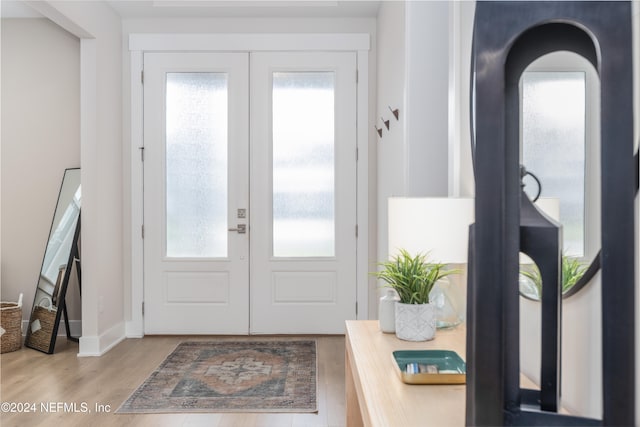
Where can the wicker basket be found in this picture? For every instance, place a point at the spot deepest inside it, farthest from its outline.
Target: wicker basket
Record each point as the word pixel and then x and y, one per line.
pixel 41 338
pixel 11 323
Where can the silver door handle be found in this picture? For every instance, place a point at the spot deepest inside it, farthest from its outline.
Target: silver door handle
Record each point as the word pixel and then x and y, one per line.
pixel 242 229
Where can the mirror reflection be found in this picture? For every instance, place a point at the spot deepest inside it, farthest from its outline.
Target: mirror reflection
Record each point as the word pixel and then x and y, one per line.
pixel 560 144
pixel 60 256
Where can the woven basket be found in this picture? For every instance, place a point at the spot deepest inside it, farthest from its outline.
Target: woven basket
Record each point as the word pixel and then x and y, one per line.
pixel 11 323
pixel 41 339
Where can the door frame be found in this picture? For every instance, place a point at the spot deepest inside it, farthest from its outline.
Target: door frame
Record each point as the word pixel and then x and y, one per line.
pixel 141 43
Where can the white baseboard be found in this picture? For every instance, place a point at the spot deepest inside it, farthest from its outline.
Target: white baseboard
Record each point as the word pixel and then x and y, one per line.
pixel 134 329
pixel 89 346
pixel 95 346
pixel 75 326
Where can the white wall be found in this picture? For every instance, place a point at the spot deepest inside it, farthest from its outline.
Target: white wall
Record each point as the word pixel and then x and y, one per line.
pixel 414 64
pixel 40 139
pixel 101 160
pixel 581 342
pixel 427 101
pixel 391 147
pixel 464 23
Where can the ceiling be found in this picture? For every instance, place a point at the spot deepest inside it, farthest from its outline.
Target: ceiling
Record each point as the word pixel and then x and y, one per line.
pixel 218 8
pixel 17 9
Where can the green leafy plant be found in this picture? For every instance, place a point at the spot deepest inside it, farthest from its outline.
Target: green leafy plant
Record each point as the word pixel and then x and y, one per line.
pixel 572 271
pixel 412 277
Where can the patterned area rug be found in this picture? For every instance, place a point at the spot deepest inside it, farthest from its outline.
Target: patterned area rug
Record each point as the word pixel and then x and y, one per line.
pixel 276 375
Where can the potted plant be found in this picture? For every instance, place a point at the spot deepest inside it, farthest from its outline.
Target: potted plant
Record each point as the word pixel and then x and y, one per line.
pixel 413 278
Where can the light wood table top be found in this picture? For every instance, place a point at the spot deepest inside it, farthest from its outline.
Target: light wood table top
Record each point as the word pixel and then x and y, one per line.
pixel 375 394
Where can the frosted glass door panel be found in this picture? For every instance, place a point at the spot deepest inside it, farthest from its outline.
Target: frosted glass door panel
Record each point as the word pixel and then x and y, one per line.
pixel 553 145
pixel 196 165
pixel 303 164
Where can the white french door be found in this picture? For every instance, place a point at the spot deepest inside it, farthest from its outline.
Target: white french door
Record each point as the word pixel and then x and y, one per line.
pixel 196 141
pixel 303 192
pixel 249 206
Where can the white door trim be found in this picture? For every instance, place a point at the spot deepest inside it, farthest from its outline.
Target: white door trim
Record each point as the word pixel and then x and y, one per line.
pixel 248 42
pixel 140 43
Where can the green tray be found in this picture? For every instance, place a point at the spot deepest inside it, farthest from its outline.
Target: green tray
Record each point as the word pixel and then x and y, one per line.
pixel 451 367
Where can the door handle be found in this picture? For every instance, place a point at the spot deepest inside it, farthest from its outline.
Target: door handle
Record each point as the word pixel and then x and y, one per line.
pixel 241 229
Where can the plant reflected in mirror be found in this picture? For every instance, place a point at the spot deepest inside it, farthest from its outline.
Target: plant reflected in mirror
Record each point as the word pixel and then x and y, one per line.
pixel 530 281
pixel 572 271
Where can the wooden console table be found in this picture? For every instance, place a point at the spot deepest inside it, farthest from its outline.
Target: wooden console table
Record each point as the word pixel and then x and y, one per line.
pixel 375 394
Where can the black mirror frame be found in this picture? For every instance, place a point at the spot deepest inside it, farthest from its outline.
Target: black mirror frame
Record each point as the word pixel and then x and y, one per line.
pixel 74 254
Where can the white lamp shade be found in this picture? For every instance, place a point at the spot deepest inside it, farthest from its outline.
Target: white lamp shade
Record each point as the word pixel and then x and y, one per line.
pixel 437 226
pixel 550 206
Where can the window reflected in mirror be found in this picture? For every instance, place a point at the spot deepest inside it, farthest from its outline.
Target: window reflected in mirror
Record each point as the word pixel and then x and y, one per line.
pixel 560 115
pixel 553 135
pixel 60 257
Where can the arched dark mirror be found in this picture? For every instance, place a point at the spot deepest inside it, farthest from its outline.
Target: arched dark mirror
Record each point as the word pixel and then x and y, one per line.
pixel 60 257
pixel 560 145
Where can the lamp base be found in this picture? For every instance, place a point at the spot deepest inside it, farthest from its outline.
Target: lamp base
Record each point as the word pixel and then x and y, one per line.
pixel 449 302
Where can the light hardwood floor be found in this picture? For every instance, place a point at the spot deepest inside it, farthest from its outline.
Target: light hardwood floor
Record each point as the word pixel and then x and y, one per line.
pixel 28 376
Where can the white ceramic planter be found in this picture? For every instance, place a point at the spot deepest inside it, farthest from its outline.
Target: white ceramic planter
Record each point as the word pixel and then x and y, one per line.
pixel 415 322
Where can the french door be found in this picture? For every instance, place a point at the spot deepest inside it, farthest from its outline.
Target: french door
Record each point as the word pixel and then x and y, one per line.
pixel 196 142
pixel 249 192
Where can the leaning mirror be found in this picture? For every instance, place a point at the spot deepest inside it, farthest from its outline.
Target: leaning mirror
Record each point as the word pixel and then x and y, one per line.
pixel 61 254
pixel 560 145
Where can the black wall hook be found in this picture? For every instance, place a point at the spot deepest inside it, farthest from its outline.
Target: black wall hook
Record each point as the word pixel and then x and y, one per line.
pixel 386 122
pixel 396 113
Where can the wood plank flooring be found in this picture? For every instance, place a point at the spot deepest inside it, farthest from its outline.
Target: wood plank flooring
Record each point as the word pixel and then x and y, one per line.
pixel 28 376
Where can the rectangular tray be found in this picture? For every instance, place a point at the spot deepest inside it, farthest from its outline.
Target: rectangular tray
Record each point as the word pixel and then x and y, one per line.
pixel 445 360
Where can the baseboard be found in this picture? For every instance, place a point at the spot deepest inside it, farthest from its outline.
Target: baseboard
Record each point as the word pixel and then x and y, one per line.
pixel 95 346
pixel 75 326
pixel 134 329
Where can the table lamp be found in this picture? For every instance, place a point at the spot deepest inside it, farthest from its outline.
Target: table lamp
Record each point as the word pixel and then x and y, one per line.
pixel 438 227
